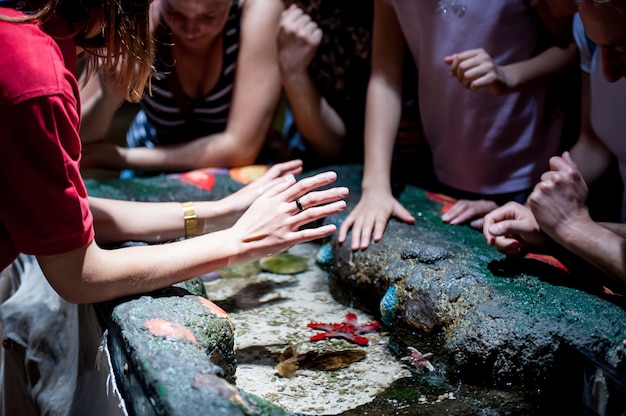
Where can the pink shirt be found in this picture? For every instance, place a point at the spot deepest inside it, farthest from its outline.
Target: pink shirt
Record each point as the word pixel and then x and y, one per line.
pixel 480 143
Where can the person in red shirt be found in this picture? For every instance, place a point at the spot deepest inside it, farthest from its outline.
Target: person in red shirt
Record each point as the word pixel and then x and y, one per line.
pixel 45 210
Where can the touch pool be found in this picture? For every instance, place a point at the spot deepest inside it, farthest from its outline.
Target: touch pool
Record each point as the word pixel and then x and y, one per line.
pixel 506 338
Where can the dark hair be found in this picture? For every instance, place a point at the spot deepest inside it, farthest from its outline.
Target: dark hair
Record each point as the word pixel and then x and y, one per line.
pixel 124 47
pixel 341 66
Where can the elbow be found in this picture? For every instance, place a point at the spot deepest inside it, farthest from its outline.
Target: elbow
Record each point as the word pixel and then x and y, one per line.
pixel 243 160
pixel 241 157
pixel 73 293
pixel 79 291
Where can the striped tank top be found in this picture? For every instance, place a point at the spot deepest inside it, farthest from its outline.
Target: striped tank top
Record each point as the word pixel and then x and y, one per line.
pixel 164 119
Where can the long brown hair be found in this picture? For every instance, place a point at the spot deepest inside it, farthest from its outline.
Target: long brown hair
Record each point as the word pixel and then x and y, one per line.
pixel 123 48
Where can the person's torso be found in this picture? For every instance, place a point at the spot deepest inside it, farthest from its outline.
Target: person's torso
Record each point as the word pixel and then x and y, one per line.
pixel 174 115
pixel 480 143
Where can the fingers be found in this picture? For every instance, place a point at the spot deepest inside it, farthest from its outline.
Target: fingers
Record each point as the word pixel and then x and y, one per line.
pixel 297 24
pixel 477 224
pixel 362 232
pixel 509 246
pixel 317 212
pixel 505 227
pixel 315 198
pixel 473 68
pixel 289 15
pixel 564 164
pixel 308 234
pixel 293 167
pixel 362 225
pixel 369 219
pixel 304 186
pixel 370 226
pixel 402 213
pixel 293 189
pixel 466 210
pixel 345 227
pixel 380 224
pixel 494 224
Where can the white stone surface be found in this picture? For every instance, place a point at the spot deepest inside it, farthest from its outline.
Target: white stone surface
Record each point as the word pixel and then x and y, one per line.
pixel 283 322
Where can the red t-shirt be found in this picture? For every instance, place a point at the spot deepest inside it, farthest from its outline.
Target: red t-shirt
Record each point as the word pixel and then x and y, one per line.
pixel 44 208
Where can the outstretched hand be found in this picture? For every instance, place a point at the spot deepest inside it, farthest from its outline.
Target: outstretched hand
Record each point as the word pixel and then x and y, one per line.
pixel 272 223
pixel 476 69
pixel 369 217
pixel 243 198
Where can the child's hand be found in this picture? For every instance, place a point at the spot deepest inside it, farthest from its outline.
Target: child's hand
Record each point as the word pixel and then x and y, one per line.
pixel 476 69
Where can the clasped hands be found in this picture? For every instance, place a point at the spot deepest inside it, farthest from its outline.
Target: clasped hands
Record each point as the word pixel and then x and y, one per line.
pixel 554 209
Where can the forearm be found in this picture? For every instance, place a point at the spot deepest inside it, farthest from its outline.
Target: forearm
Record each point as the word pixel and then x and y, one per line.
pixel 383 113
pixel 98 110
pixel 92 274
pixel 116 221
pixel 526 74
pixel 221 149
pixel 597 244
pixel 617 228
pixel 316 120
pixel 384 97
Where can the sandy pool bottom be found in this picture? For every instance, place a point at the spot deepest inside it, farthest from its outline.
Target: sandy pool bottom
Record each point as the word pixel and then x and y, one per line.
pixel 263 331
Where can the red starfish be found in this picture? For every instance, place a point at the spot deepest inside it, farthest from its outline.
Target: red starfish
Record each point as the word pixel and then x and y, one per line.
pixel 348 329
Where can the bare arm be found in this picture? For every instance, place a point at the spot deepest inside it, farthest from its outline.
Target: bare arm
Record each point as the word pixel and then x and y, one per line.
pixel 590 154
pixel 617 228
pixel 556 208
pixel 602 245
pixel 116 220
pixel 100 100
pixel 271 225
pixel 383 110
pixel 298 40
pixel 384 98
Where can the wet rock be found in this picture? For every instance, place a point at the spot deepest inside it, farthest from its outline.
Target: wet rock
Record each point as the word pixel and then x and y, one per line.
pixel 493 328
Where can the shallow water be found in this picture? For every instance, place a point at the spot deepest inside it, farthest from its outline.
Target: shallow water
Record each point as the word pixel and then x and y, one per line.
pixel 271 312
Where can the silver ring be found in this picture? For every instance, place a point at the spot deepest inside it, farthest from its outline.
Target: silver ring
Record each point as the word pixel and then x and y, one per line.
pixel 300 207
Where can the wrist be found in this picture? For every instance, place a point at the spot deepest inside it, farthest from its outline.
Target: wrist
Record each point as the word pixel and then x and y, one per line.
pixel 576 228
pixel 190 219
pixel 294 76
pixel 377 182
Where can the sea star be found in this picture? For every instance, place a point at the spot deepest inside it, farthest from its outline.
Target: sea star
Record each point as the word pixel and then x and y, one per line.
pixel 419 360
pixel 349 329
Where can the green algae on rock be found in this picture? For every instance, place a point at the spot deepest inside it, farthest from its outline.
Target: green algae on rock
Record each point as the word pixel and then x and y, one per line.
pixel 243 269
pixel 284 263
